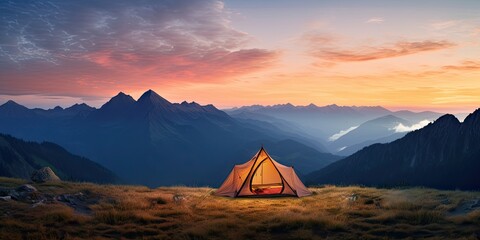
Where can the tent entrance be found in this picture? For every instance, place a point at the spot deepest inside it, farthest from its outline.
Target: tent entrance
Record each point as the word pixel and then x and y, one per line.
pixel 266 179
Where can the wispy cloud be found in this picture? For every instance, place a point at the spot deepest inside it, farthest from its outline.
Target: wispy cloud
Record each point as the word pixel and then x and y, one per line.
pixel 464 66
pixel 375 20
pixel 402 128
pixel 368 53
pixel 317 38
pixel 338 135
pixel 444 24
pixel 60 45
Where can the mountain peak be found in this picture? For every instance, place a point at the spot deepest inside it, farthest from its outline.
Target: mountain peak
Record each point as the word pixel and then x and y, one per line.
pixel 12 104
pixel 190 105
pixel 80 107
pixel 121 94
pixel 153 97
pixel 473 118
pixel 119 101
pixel 446 119
pixel 14 109
pixel 444 122
pixel 390 117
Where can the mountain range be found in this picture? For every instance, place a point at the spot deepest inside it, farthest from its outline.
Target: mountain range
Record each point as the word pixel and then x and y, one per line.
pixel 341 130
pixel 445 154
pixel 19 159
pixel 155 142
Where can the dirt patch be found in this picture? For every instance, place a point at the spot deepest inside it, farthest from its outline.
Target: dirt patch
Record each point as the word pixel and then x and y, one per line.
pixel 79 202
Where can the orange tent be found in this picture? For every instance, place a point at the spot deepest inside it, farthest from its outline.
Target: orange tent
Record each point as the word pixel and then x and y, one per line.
pixel 262 176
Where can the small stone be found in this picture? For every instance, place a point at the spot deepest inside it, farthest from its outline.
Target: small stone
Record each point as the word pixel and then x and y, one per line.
pixel 38 204
pixel 6 198
pixel 353 197
pixel 445 201
pixel 179 198
pixel 476 204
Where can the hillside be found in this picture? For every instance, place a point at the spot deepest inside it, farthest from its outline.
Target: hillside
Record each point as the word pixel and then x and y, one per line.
pixel 89 211
pixel 372 130
pixel 19 159
pixel 154 142
pixel 444 154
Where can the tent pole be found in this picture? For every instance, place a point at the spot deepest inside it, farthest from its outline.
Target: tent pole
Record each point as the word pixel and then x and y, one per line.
pixel 244 181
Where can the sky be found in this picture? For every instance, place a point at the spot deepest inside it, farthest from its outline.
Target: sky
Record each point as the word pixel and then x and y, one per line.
pixel 416 55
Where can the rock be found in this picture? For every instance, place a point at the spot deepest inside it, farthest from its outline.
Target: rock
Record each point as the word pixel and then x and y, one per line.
pixel 44 174
pixel 25 192
pixel 179 199
pixel 26 188
pixel 353 197
pixel 41 203
pixel 475 204
pixel 79 202
pixel 445 201
pixel 6 198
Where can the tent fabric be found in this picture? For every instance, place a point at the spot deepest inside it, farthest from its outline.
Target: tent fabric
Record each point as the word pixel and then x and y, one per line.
pixel 262 176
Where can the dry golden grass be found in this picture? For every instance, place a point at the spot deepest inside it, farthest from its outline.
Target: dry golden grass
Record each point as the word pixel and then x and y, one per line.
pixel 136 212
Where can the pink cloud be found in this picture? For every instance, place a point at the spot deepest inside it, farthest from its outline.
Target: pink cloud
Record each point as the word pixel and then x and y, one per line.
pixel 76 49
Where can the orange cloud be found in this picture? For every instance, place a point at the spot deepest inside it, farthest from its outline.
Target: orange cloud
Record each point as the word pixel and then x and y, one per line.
pixel 399 49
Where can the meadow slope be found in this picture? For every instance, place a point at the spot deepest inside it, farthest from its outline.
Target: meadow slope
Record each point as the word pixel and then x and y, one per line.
pixel 65 210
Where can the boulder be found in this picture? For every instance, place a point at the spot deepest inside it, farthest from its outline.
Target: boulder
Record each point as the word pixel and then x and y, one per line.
pixel 26 188
pixel 26 192
pixel 44 174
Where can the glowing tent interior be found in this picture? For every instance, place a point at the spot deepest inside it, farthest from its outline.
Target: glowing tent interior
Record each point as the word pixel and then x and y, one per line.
pixel 262 176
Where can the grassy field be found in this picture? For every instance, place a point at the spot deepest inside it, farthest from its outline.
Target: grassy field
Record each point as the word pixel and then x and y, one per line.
pixel 135 212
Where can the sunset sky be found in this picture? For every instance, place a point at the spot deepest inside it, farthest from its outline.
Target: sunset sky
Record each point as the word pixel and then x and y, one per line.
pixel 418 55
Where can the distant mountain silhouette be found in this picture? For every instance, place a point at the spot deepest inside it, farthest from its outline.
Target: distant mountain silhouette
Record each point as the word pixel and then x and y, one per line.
pixel 371 130
pixel 444 154
pixel 320 123
pixel 274 125
pixel 154 142
pixel 19 159
pixel 415 117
